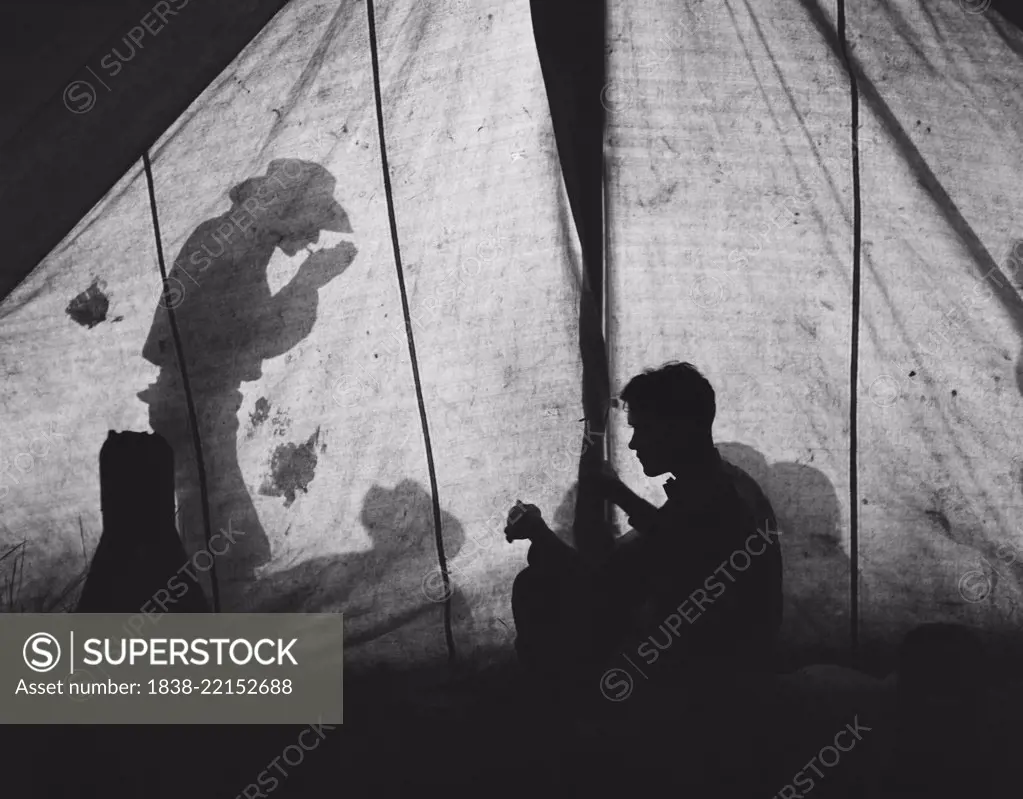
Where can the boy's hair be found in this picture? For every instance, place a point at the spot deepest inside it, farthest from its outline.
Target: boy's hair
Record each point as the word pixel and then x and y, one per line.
pixel 675 390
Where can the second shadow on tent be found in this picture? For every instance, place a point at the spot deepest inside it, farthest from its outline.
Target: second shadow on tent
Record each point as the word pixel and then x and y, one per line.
pixel 381 590
pixel 816 576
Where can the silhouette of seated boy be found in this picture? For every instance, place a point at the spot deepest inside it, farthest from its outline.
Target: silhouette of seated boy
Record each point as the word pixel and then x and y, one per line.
pixel 696 583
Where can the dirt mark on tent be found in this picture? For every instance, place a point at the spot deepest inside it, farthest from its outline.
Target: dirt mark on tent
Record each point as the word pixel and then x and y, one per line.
pixel 941 520
pixel 261 412
pixel 90 307
pixel 662 197
pixel 292 468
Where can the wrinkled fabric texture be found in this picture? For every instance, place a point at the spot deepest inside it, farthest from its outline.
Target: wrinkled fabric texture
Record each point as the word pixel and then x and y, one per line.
pixel 730 173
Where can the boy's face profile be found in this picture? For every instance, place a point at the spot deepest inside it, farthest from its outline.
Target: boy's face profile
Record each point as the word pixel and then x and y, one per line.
pixel 661 443
pixel 648 442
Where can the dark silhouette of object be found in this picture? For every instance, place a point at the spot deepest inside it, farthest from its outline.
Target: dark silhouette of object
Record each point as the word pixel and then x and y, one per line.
pixel 943 740
pixel 140 556
pixel 229 323
pixel 817 572
pixel 660 592
pixel 569 37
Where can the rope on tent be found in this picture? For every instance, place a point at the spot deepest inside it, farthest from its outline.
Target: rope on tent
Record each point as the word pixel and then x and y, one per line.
pixel 192 418
pixel 441 558
pixel 854 570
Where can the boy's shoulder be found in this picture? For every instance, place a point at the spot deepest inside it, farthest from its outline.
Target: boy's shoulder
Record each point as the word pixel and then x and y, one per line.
pixel 750 492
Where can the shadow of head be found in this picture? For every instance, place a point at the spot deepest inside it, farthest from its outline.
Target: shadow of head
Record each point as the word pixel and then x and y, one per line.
pixel 401 520
pixel 804 501
pixel 293 201
pixel 815 566
pixel 400 525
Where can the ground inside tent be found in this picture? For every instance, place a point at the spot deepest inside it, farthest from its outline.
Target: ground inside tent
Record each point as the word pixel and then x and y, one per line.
pixel 484 733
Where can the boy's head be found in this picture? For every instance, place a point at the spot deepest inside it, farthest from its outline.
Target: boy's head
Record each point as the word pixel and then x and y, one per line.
pixel 671 411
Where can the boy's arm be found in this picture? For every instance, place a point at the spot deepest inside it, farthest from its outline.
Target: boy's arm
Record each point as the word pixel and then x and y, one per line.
pixel 642 514
pixel 548 550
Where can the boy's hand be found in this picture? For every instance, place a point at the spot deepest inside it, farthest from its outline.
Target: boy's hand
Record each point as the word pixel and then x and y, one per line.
pixel 525 522
pixel 608 483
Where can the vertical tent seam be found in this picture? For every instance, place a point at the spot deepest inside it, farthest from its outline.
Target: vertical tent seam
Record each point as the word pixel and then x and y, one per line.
pixel 439 539
pixel 855 345
pixel 190 402
pixel 609 511
pixel 605 283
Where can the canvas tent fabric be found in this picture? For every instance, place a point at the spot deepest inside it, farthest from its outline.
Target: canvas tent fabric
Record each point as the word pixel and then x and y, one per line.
pixel 366 416
pixel 102 81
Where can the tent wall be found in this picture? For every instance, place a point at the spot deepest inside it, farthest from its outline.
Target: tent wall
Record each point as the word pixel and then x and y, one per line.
pixel 355 471
pixel 939 479
pixel 492 285
pixel 732 245
pixel 731 248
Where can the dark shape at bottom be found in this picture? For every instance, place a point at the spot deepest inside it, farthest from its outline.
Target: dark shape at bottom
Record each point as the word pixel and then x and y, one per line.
pixel 140 560
pixel 944 744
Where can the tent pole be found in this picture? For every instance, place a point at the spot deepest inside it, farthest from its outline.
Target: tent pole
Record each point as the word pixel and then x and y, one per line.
pixel 609 512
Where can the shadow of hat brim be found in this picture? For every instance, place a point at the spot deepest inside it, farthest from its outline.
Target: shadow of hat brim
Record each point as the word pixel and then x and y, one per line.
pixel 334 218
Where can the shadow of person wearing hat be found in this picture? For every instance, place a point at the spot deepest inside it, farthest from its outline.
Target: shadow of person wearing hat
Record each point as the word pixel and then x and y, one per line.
pixel 229 322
